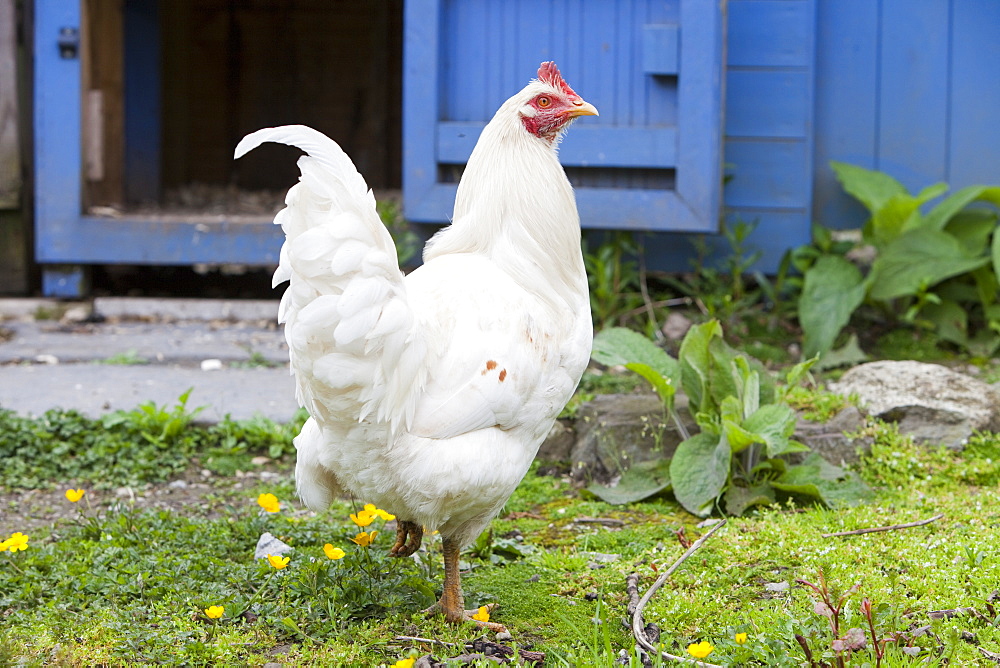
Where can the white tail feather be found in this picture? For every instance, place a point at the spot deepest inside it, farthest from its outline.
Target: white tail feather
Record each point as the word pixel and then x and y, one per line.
pixel 347 320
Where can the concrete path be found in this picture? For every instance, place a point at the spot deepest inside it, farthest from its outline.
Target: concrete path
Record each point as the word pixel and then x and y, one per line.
pixel 115 354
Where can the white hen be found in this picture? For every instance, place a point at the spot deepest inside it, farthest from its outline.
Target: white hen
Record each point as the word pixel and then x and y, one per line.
pixel 430 394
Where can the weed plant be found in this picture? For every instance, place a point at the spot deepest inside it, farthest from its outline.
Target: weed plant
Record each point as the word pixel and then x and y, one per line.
pixel 116 584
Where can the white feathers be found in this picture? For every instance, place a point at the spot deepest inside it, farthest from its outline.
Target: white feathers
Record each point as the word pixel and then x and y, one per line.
pixel 429 396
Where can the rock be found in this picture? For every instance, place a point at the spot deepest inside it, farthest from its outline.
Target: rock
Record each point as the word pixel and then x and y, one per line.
pixel 676 326
pixel 615 431
pixel 558 445
pixel 828 439
pixel 268 544
pixel 211 364
pixel 930 402
pixel 76 314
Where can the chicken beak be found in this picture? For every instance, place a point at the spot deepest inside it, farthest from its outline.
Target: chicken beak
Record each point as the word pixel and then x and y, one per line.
pixel 581 108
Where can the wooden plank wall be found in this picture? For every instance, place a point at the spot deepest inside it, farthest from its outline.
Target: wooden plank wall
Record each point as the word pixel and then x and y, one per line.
pixel 101 71
pixel 911 87
pixel 14 237
pixel 768 133
pixel 10 149
pixel 231 68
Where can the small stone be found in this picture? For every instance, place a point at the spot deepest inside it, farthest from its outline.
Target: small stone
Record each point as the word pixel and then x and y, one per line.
pixel 601 557
pixel 46 358
pixel 178 484
pixel 710 522
pixel 268 544
pixel 260 460
pixel 76 314
pixel 211 365
pixel 776 586
pixel 504 635
pixel 676 326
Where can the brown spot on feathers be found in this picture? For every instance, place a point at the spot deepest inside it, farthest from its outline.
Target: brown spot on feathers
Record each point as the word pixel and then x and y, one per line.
pixel 490 365
pixel 503 374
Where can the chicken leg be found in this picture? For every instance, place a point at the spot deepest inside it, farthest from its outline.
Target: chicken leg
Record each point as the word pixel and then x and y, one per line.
pixel 452 603
pixel 408 538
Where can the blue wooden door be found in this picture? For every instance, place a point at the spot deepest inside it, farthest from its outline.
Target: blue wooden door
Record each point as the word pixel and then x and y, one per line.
pixel 651 161
pixel 66 236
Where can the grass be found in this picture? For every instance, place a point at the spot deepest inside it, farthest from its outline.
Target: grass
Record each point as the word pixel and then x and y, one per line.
pixel 114 582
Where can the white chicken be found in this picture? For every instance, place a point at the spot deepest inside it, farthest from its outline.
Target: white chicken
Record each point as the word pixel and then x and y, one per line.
pixel 429 394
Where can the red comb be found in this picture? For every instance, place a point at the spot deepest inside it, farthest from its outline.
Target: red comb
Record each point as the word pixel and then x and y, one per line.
pixel 548 73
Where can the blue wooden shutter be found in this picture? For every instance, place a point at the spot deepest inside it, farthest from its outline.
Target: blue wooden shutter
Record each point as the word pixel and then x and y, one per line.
pixel 651 161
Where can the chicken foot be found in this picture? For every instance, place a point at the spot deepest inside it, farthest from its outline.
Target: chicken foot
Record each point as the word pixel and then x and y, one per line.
pixel 408 538
pixel 452 603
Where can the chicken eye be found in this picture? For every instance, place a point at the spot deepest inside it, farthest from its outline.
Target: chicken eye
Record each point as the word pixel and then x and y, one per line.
pixel 543 102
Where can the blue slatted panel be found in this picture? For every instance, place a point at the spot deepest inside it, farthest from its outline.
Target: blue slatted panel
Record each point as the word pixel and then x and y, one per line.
pixel 974 146
pixel 769 125
pixel 913 94
pixel 651 161
pixel 846 102
pixel 910 87
pixel 63 235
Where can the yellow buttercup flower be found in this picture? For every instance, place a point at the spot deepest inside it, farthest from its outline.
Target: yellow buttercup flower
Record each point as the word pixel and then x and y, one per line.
pixel 363 518
pixel 700 650
pixel 740 638
pixel 269 502
pixel 17 541
pixel 364 539
pixel 333 552
pixel 483 615
pixel 74 495
pixel 278 561
pixel 378 512
pixel 404 663
pixel 214 611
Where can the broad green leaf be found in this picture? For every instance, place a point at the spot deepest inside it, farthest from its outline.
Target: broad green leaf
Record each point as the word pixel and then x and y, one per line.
pixel 641 481
pixel 619 346
pixel 950 321
pixel 938 217
pixel 973 229
pixel 739 438
pixel 996 253
pixel 722 381
pixel 809 489
pixel 987 286
pixel 919 258
pixel 985 343
pixel 871 188
pixel 833 289
pixel 799 371
pixel 774 424
pixel 699 471
pixel 696 361
pixel 661 384
pixel 817 478
pixel 899 213
pixel 751 393
pixel 739 499
pixel 848 354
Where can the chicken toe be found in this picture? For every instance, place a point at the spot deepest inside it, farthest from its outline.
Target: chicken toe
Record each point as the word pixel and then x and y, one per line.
pixel 408 538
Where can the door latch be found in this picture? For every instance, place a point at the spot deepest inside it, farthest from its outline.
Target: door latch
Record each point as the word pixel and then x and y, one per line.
pixel 69 43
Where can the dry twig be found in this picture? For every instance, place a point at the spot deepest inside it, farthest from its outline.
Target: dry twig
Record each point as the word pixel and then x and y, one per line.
pixel 632 589
pixel 606 521
pixel 891 527
pixel 638 629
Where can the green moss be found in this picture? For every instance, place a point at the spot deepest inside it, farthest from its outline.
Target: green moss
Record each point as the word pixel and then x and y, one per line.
pixel 127 586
